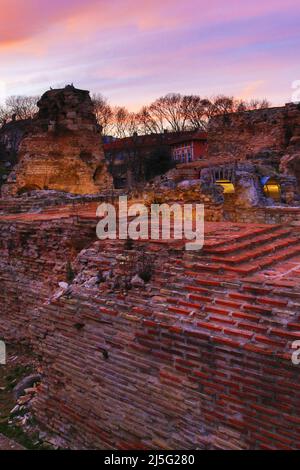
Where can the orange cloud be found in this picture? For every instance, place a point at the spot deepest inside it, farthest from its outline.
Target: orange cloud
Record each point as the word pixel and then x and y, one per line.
pixel 149 46
pixel 250 90
pixel 22 19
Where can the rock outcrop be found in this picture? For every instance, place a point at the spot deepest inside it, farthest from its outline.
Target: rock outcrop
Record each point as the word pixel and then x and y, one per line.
pixel 63 150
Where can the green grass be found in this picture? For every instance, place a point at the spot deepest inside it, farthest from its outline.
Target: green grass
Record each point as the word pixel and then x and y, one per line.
pixel 17 434
pixel 16 375
pixel 8 380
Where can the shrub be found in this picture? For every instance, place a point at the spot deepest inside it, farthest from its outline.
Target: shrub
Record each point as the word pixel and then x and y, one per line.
pixel 70 275
pixel 158 163
pixel 145 267
pixel 128 245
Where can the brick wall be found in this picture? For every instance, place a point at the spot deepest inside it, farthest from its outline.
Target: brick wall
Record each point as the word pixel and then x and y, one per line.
pixel 195 359
pixel 34 256
pixel 260 135
pixel 267 215
pixel 186 363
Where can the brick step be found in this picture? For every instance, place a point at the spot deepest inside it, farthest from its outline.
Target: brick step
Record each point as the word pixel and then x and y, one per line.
pixel 211 245
pixel 231 307
pixel 260 240
pixel 255 253
pixel 265 263
pixel 283 251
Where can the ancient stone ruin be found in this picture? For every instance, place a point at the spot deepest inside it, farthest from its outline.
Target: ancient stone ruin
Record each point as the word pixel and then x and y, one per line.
pixel 62 150
pixel 254 156
pixel 259 136
pixel 142 344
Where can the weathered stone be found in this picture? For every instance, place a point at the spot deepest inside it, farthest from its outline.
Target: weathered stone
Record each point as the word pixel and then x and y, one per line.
pixel 25 383
pixel 24 399
pixel 264 136
pixel 246 191
pixel 59 154
pixel 188 184
pixel 290 165
pixel 136 281
pixel 63 285
pixel 207 345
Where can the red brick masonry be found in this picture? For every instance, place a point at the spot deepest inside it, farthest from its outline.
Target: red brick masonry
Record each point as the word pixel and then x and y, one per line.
pixel 199 358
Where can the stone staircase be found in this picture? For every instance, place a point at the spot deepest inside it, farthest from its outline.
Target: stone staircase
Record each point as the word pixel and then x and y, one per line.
pixel 247 253
pixel 219 285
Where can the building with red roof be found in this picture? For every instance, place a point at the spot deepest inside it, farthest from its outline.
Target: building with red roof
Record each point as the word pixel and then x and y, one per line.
pixel 190 147
pixel 184 147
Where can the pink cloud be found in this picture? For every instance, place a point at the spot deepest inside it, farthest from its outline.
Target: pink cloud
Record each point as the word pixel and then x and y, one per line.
pixel 155 46
pixel 149 15
pixel 22 19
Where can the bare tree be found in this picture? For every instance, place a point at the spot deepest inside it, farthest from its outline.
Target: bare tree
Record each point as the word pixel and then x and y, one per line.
pixel 147 123
pixel 103 112
pixel 223 105
pixel 120 121
pixel 22 107
pixel 169 110
pixel 259 104
pixel 185 112
pixel 196 111
pixel 125 123
pixel 4 115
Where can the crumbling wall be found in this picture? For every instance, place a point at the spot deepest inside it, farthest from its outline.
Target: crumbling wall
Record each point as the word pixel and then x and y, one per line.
pixel 152 368
pixel 34 257
pixel 191 192
pixel 188 360
pixel 11 135
pixel 290 165
pixel 261 215
pixel 259 135
pixel 63 151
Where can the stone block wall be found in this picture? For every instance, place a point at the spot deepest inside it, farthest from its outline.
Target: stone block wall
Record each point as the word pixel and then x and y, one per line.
pixel 263 135
pixel 63 150
pixel 260 214
pixel 195 193
pixel 67 162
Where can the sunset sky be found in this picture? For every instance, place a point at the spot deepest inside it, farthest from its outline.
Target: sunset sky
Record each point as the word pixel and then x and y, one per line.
pixel 133 51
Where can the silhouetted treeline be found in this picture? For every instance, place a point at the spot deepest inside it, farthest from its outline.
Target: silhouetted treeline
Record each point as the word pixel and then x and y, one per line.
pixel 174 112
pixel 18 107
